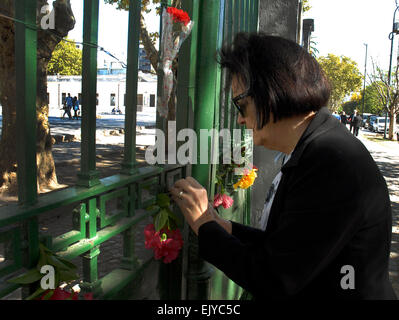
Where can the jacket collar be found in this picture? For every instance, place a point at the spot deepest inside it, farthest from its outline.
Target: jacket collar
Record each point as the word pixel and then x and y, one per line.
pixel 322 122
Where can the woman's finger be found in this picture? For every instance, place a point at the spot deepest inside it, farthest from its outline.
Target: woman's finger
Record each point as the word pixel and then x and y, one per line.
pixel 193 182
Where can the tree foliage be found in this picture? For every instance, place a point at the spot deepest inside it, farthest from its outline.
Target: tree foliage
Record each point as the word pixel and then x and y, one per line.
pixel 372 102
pixel 388 92
pixel 344 77
pixel 306 5
pixel 66 60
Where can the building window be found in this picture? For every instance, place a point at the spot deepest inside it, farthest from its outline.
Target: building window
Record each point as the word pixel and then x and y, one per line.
pixel 139 99
pixel 152 100
pixel 112 101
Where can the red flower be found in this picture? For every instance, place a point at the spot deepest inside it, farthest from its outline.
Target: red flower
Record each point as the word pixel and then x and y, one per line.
pixel 60 294
pixel 88 296
pixel 165 243
pixel 178 15
pixel 222 199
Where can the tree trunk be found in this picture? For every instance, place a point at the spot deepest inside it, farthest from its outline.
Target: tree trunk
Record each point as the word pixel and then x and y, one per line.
pixel 46 42
pixel 392 124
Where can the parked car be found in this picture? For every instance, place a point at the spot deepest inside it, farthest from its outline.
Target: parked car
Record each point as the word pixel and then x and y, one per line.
pixel 379 124
pixel 366 116
pixel 370 121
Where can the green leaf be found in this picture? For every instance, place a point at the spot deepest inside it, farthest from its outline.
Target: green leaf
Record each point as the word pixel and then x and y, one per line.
pixel 152 207
pixel 67 263
pixel 31 276
pixel 163 200
pixel 49 295
pixel 44 248
pixel 42 259
pixel 37 293
pixel 66 276
pixel 54 261
pixel 160 220
pixel 173 217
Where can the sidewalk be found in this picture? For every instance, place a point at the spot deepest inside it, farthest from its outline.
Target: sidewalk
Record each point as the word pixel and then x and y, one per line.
pixel 386 155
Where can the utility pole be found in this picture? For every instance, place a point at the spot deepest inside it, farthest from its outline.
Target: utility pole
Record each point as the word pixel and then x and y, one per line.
pixel 364 81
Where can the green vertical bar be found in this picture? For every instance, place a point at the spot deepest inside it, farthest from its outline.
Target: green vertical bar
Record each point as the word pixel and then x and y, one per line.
pixel 129 260
pixel 26 64
pixel 33 240
pixel 88 175
pixel 91 231
pixel 90 271
pixel 129 163
pixel 242 15
pixel 206 107
pixel 256 15
pixel 229 34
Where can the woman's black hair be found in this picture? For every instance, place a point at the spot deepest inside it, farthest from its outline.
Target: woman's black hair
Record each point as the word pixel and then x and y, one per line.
pixel 280 75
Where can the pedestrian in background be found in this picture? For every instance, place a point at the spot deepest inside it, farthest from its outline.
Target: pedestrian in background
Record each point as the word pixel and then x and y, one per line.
pixel 352 116
pixel 343 118
pixel 357 122
pixel 68 105
pixel 75 103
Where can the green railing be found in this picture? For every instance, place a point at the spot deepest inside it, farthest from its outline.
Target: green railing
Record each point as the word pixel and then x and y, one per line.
pixel 202 103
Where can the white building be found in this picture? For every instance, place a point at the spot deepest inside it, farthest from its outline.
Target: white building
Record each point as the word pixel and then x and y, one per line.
pixel 111 92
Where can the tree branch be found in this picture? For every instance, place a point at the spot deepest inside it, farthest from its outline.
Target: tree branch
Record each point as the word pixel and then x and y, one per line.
pixel 151 51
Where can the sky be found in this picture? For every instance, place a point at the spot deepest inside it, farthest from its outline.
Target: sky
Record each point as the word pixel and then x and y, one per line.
pixel 112 28
pixel 341 27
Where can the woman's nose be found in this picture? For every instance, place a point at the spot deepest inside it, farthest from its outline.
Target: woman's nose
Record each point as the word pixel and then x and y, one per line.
pixel 240 119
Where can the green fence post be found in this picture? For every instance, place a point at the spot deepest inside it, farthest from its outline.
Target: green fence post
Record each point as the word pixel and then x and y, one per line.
pixel 26 70
pixel 88 175
pixel 129 163
pixel 25 65
pixel 205 107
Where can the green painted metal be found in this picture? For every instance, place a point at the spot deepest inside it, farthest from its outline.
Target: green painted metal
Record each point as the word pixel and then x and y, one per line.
pixel 129 163
pixel 205 108
pixel 88 176
pixel 90 271
pixel 107 218
pixel 47 202
pixel 26 65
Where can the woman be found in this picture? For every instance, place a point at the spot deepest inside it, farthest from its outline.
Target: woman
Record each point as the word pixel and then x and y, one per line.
pixel 311 245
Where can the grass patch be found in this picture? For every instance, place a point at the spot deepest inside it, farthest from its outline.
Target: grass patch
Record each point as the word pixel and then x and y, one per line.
pixel 380 139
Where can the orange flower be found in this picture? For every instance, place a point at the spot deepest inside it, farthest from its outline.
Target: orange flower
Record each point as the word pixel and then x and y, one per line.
pixel 247 179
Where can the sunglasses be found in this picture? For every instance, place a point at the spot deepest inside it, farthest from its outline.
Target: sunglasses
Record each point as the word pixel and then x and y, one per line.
pixel 237 98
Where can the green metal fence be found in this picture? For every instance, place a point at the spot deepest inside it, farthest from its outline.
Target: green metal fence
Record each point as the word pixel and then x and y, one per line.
pixel 202 103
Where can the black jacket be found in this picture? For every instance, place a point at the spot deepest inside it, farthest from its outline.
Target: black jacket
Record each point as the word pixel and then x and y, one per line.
pixel 357 121
pixel 319 223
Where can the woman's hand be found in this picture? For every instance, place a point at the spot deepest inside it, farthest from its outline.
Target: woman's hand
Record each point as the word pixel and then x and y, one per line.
pixel 192 200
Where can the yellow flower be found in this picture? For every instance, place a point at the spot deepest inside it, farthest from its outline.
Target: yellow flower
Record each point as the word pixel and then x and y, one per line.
pixel 247 180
